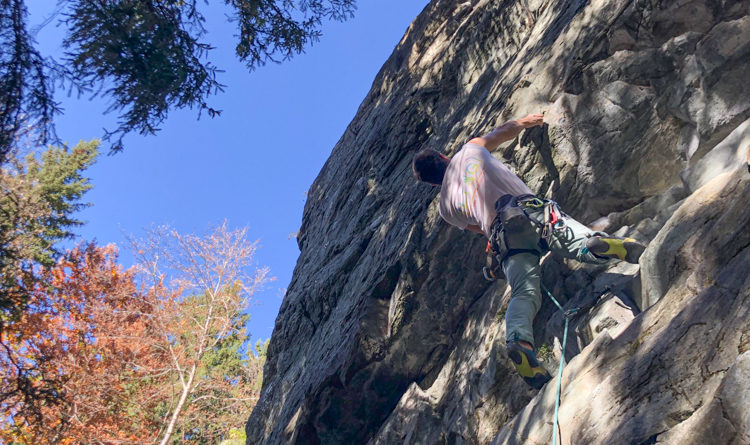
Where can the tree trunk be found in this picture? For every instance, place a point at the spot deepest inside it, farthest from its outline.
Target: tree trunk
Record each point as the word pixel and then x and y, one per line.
pixel 178 408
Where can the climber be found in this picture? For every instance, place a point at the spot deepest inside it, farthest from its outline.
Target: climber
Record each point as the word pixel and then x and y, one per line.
pixel 481 194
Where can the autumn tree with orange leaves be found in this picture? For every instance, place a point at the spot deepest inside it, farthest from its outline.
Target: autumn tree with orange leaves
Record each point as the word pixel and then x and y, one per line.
pixel 115 362
pixel 67 362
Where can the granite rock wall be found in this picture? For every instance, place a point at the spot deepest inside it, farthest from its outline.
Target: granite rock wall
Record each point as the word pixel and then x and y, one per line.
pixel 388 334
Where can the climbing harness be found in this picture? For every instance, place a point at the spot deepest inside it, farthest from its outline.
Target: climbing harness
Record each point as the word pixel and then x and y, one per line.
pixel 515 231
pixel 568 315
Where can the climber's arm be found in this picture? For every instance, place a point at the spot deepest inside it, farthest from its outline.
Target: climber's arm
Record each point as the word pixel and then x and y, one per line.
pixel 507 131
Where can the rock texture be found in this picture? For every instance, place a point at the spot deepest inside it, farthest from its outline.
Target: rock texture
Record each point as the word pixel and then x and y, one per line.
pixel 388 334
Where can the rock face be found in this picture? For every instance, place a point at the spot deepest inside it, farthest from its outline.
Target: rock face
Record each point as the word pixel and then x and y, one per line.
pixel 388 333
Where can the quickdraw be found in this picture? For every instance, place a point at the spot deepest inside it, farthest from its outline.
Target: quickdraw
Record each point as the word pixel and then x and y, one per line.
pixel 554 220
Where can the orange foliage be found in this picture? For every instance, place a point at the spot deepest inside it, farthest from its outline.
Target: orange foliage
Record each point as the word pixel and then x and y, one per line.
pixel 68 362
pixel 96 358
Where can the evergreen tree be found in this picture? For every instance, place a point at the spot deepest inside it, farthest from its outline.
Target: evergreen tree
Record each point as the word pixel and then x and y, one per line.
pixel 40 196
pixel 147 55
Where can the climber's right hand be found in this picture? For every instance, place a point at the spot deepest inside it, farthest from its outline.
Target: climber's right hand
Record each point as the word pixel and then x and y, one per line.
pixel 532 120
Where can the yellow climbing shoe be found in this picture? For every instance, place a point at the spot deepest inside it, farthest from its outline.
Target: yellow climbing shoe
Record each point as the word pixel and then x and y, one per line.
pixel 625 249
pixel 527 365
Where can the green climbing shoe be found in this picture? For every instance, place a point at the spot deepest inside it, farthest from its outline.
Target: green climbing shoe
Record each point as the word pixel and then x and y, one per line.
pixel 527 365
pixel 625 249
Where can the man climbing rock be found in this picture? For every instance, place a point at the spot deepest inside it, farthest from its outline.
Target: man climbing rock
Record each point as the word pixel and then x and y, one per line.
pixel 481 194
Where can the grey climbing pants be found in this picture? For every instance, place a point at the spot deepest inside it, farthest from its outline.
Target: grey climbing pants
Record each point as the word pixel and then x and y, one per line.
pixel 522 271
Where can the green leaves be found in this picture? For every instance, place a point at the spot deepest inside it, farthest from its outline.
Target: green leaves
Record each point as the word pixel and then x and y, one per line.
pixel 272 30
pixel 147 53
pixel 59 182
pixel 39 199
pixel 148 56
pixel 26 81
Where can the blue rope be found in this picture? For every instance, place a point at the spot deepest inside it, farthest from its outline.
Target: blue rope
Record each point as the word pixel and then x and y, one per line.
pixel 567 314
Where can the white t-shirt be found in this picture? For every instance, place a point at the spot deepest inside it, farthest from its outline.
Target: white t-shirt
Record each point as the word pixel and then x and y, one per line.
pixel 473 182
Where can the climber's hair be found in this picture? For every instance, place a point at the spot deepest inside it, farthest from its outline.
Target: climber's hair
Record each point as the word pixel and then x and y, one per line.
pixel 429 166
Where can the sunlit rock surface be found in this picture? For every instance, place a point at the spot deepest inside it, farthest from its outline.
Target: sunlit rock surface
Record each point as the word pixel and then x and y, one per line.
pixel 388 334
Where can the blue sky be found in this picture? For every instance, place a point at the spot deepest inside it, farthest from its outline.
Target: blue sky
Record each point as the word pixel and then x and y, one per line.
pixel 252 165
